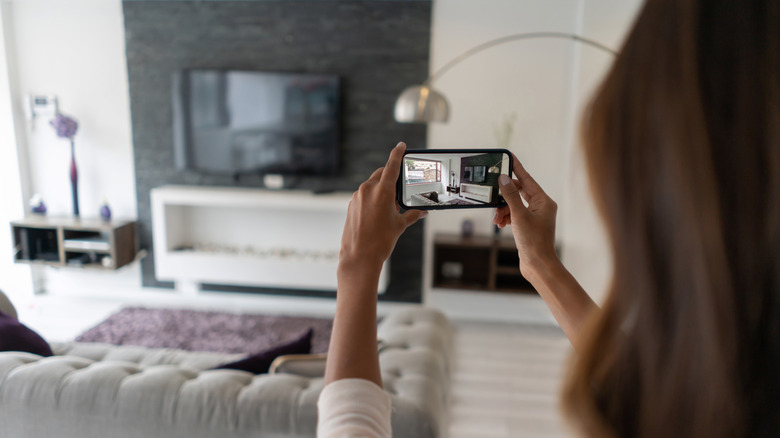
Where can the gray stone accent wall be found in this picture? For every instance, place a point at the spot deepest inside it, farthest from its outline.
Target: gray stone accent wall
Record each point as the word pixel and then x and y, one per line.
pixel 376 47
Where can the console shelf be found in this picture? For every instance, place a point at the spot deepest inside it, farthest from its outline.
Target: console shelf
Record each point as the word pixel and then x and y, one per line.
pixel 478 263
pixel 74 242
pixel 248 237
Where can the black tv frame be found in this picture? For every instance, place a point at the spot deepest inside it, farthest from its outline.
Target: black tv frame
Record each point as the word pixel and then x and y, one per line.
pixel 181 124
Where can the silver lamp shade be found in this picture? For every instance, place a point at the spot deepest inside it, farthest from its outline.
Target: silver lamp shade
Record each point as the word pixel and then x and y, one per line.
pixel 421 104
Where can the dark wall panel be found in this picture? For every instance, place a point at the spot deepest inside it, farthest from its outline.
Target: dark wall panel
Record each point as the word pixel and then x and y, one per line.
pixel 376 47
pixel 487 160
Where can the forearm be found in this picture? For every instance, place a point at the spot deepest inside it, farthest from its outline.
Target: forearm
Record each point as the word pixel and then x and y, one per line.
pixel 353 344
pixel 567 300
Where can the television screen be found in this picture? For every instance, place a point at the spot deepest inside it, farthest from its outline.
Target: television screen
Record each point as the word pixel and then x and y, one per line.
pixel 244 122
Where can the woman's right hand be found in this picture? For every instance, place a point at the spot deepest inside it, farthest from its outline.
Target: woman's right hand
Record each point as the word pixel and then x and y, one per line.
pixel 533 226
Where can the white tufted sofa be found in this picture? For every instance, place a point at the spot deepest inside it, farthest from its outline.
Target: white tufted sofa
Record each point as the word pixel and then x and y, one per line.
pixel 418 199
pixel 98 390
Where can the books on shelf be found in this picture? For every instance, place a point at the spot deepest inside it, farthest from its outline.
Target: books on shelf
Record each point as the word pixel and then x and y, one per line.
pixel 88 243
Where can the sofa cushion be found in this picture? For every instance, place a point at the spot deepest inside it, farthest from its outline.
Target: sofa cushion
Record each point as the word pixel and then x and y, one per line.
pixel 15 336
pixel 143 356
pixel 433 196
pixel 260 362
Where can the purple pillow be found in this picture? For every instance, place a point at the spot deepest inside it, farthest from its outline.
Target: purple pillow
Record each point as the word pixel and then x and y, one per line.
pixel 15 336
pixel 260 362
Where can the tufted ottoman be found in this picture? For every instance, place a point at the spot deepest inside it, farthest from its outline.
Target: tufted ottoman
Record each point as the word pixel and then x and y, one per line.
pixel 99 390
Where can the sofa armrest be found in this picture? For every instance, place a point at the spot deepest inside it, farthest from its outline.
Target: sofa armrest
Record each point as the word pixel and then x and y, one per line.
pixel 305 365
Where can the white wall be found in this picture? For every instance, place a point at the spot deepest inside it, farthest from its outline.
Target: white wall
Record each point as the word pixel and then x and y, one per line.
pixel 586 250
pixel 543 81
pixel 15 279
pixel 75 50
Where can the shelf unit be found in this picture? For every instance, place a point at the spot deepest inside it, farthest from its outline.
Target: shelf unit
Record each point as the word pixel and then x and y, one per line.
pixel 74 242
pixel 478 263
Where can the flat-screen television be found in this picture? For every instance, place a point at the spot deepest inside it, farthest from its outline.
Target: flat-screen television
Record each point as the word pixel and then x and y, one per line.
pixel 240 122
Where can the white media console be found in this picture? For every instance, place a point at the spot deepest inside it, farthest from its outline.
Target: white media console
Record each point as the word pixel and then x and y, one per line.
pixel 248 237
pixel 476 192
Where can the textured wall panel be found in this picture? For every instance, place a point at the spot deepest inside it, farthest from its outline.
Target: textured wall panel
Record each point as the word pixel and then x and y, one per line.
pixel 376 47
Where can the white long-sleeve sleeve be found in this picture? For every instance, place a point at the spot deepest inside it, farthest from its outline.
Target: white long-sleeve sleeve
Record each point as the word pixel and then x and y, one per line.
pixel 353 408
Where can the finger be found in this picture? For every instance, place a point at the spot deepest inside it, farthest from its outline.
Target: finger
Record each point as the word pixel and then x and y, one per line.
pixel 519 186
pixel 504 220
pixel 510 193
pixel 411 216
pixel 530 186
pixel 393 165
pixel 499 214
pixel 376 176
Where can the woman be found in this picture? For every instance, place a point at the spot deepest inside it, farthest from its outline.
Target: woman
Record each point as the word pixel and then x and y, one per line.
pixel 682 143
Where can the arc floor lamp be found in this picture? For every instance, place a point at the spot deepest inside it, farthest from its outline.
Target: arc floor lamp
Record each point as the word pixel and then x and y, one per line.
pixel 423 104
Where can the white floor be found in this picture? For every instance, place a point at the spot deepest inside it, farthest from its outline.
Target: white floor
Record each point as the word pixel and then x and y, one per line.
pixel 506 381
pixel 506 376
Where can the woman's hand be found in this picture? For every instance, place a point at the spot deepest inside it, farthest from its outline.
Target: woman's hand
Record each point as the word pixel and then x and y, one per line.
pixel 533 226
pixel 374 223
pixel 374 220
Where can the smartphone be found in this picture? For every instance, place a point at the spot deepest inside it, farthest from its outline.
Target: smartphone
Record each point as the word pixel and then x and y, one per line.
pixel 437 179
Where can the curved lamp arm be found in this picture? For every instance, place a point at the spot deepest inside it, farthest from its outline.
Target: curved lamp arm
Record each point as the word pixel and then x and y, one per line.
pixel 422 104
pixel 510 38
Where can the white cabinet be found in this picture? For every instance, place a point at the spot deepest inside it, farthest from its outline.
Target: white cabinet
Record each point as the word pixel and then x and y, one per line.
pixel 248 237
pixel 476 192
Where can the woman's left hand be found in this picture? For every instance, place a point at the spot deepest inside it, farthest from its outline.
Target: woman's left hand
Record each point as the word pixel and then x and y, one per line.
pixel 374 220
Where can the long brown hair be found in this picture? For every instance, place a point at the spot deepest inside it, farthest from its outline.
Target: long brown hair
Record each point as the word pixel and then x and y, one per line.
pixel 683 151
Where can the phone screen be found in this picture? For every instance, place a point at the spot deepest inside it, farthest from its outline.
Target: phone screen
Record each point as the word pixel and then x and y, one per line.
pixel 432 179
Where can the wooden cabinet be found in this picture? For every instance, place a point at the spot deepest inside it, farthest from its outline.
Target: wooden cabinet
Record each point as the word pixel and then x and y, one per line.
pixel 74 242
pixel 478 263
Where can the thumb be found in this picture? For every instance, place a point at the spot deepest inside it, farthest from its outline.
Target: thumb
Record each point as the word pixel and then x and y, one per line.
pixel 510 192
pixel 411 216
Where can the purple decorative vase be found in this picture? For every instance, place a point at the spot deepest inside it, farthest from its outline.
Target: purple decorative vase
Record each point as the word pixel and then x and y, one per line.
pixel 39 209
pixel 74 179
pixel 105 212
pixel 37 205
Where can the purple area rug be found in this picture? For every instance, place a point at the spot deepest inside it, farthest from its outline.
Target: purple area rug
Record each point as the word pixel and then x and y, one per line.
pixel 205 331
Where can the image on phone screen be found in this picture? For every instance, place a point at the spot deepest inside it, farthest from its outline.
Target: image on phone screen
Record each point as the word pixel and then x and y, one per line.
pixel 452 178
